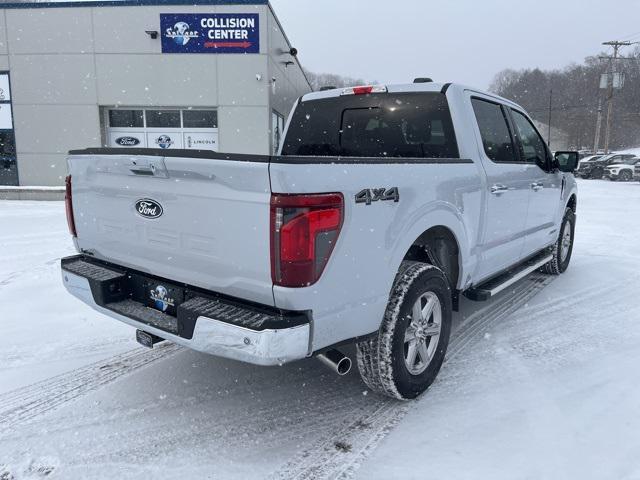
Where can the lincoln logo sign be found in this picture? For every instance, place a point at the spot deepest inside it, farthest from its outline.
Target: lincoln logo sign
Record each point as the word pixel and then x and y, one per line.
pixel 210 33
pixel 148 208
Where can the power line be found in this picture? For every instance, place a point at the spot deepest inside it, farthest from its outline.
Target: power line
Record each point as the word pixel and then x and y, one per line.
pixel 630 37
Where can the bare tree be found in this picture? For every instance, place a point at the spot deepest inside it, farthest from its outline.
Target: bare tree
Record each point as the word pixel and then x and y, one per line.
pixel 575 99
pixel 319 80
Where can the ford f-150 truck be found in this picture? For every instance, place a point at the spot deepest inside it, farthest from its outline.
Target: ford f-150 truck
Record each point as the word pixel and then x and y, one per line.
pixel 384 205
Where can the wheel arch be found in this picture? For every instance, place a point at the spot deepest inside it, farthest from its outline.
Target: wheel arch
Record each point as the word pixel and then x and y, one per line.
pixel 439 246
pixel 437 220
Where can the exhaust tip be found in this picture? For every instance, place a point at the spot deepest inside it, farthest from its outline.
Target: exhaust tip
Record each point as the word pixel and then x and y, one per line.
pixel 336 361
pixel 344 366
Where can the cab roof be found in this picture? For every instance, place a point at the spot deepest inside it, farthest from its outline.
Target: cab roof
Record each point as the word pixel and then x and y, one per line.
pixel 410 88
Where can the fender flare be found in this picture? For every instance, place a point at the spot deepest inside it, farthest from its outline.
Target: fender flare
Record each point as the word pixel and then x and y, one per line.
pixel 438 214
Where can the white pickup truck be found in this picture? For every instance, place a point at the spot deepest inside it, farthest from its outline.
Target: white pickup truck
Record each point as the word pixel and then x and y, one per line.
pixel 385 204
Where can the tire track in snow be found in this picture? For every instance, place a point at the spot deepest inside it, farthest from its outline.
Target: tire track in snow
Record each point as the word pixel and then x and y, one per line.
pixel 24 404
pixel 339 454
pixel 12 276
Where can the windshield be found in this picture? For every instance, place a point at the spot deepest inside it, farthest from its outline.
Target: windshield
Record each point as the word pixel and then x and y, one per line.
pixel 380 125
pixel 631 161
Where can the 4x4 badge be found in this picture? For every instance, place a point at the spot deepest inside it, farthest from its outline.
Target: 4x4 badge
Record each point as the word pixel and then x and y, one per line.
pixel 369 195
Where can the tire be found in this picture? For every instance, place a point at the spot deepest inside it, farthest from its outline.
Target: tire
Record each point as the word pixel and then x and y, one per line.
pixel 563 248
pixel 381 359
pixel 597 174
pixel 625 176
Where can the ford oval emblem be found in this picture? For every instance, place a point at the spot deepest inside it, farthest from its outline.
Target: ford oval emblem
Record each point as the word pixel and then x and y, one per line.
pixel 148 208
pixel 127 141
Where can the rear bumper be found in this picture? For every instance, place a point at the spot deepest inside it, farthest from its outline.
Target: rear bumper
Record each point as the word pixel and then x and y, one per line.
pixel 205 322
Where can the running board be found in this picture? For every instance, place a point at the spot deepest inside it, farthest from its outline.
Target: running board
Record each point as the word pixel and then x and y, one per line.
pixel 494 286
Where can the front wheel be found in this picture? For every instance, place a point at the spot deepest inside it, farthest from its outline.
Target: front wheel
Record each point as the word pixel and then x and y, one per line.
pixel 404 358
pixel 563 248
pixel 625 176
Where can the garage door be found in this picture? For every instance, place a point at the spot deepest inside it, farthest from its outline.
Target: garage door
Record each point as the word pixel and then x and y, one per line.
pixel 189 128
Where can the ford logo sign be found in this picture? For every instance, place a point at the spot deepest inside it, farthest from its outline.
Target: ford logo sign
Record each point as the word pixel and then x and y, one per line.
pixel 148 208
pixel 127 141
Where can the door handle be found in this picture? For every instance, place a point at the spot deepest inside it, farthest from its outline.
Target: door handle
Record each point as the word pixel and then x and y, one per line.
pixel 499 189
pixel 143 171
pixel 537 186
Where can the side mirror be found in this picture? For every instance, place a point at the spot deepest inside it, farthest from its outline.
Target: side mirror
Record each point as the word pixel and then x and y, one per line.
pixel 566 161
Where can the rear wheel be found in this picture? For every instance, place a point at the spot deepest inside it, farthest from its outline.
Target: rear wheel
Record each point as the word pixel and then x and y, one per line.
pixel 563 248
pixel 404 358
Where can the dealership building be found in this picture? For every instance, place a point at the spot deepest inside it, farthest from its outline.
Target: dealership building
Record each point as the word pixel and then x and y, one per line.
pixel 220 75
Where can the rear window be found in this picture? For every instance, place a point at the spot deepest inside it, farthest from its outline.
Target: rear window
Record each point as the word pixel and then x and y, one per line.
pixel 379 125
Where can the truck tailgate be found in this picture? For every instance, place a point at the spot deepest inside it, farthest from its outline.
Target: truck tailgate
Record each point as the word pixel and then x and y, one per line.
pixel 211 229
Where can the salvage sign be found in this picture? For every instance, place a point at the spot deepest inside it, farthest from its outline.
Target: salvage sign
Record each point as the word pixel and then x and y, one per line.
pixel 210 33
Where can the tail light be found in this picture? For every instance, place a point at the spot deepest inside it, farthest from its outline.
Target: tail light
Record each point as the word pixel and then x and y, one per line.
pixel 68 203
pixel 304 231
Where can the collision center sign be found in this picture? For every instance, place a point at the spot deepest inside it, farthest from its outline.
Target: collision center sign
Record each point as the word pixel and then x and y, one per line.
pixel 210 33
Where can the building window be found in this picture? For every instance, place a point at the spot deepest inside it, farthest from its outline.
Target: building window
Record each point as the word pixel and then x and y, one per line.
pixel 166 128
pixel 163 118
pixel 8 162
pixel 7 144
pixel 200 119
pixel 126 118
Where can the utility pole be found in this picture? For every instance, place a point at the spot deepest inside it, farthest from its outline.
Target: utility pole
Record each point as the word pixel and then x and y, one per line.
pixel 612 59
pixel 596 142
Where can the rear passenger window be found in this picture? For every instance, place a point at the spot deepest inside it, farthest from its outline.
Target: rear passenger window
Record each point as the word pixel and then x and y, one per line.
pixel 496 137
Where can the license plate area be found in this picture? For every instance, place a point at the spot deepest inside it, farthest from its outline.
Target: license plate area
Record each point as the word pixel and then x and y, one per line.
pixel 157 294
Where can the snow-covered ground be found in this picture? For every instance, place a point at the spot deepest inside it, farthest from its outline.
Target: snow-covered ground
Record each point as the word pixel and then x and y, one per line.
pixel 541 382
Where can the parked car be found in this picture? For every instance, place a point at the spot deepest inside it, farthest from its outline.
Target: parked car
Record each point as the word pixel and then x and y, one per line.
pixel 636 172
pixel 596 168
pixel 586 153
pixel 622 171
pixel 589 158
pixel 385 205
pixel 583 167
